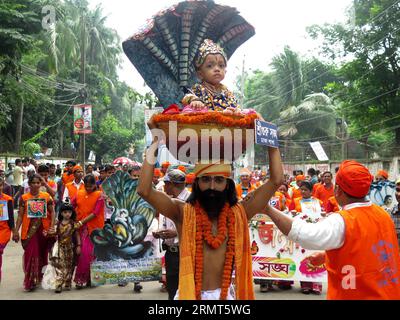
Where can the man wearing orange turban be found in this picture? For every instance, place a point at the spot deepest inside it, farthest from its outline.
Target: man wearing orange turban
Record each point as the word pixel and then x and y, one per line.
pixel 71 188
pixel 362 252
pixel 208 260
pixel 382 175
pixel 295 192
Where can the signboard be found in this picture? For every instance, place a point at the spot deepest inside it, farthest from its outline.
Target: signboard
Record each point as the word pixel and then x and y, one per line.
pixel 319 151
pixel 266 134
pixel 37 208
pixel 113 272
pixel 275 257
pixel 83 119
pixel 92 156
pixel 3 210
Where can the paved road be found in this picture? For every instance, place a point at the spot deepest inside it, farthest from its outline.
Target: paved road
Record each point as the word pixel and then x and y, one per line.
pixel 12 277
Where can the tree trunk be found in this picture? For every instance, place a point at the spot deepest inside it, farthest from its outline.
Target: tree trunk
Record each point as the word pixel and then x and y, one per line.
pixel 61 135
pixel 397 142
pixel 18 134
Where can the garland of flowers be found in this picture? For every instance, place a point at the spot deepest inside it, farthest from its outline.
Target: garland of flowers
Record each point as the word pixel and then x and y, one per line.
pixel 209 117
pixel 226 226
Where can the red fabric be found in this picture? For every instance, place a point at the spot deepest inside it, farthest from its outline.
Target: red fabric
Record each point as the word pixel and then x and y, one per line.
pixel 82 273
pixel 354 179
pixel 332 205
pixel 34 259
pixel 372 252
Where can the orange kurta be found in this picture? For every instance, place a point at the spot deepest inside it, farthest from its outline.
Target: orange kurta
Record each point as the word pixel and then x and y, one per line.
pixel 243 261
pixel 85 205
pixel 5 231
pixel 46 222
pixel 72 190
pixel 369 256
pixel 67 178
pixel 323 194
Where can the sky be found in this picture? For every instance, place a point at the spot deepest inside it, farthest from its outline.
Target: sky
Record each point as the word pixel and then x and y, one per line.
pixel 277 23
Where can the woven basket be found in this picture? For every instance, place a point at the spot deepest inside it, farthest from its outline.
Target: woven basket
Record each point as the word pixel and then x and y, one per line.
pixel 219 143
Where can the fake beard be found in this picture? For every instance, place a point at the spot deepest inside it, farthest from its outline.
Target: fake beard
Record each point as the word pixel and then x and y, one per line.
pixel 212 202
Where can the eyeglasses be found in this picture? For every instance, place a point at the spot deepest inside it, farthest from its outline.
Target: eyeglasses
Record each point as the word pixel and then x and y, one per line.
pixel 217 179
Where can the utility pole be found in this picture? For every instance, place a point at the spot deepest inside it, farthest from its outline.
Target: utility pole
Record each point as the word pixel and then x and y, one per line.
pixel 242 82
pixel 82 80
pixel 343 141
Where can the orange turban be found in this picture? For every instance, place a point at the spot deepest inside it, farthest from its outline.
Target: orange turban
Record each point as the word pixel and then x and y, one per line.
pixel 182 168
pixel 213 169
pixel 157 172
pixel 354 179
pixel 300 177
pixel 76 168
pixel 383 174
pixel 190 177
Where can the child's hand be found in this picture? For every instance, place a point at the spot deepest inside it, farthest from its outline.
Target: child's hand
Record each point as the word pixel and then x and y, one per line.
pixel 45 233
pixel 78 250
pixel 15 237
pixel 197 105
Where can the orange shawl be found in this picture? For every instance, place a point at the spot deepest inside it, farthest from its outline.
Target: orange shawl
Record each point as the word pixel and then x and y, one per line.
pixel 243 261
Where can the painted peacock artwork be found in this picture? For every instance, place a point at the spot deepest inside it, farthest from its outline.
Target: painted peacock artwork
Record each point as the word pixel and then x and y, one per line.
pixel 130 221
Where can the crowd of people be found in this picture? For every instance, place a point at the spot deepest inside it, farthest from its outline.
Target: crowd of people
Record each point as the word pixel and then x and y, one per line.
pixel 66 205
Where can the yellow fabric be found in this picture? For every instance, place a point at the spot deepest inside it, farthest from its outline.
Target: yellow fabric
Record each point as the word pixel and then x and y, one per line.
pixel 216 169
pixel 243 262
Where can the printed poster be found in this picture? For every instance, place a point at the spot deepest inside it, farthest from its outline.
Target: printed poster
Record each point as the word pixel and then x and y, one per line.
pixel 83 119
pixel 275 257
pixel 3 210
pixel 125 249
pixel 37 208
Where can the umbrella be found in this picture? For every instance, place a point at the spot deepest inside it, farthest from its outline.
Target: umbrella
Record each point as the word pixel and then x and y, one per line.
pixel 122 161
pixel 165 49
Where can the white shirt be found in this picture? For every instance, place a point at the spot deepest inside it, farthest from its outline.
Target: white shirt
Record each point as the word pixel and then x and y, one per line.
pixel 328 234
pixel 77 186
pixel 165 223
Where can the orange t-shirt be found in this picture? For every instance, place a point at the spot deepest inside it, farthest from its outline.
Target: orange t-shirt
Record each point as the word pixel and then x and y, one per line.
pixel 85 205
pixel 323 194
pixel 332 205
pixel 296 204
pixel 5 231
pixel 46 222
pixel 72 190
pixel 239 190
pixel 367 266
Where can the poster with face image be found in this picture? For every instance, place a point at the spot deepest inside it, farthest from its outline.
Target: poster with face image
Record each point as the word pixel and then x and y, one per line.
pixel 37 208
pixel 275 257
pixel 3 210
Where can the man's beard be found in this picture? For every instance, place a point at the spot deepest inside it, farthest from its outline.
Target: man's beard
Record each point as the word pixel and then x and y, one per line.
pixel 213 201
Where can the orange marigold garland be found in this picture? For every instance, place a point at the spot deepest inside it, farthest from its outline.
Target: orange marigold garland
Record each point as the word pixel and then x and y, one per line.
pixel 226 227
pixel 209 117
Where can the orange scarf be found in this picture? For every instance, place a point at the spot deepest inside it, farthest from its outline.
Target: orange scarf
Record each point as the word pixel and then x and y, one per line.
pixel 243 262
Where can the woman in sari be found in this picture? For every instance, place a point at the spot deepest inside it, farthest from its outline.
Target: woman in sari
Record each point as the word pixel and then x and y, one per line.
pixel 36 215
pixel 89 207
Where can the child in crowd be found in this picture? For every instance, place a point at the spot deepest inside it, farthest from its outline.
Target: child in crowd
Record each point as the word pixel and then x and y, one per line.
pixel 69 244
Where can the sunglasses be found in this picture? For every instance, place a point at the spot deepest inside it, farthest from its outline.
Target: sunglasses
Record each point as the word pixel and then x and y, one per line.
pixel 217 179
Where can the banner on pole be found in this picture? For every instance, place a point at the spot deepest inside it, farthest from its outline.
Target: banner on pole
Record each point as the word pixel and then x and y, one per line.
pixel 83 119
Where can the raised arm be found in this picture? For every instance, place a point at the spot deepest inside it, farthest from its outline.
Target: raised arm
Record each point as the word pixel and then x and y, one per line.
pixel 256 201
pixel 159 200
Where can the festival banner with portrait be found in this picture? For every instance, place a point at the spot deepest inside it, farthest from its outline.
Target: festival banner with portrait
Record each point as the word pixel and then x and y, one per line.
pixel 124 250
pixel 275 257
pixel 3 210
pixel 83 119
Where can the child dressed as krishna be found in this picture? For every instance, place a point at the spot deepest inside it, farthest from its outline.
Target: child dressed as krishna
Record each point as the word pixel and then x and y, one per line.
pixel 211 94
